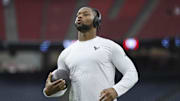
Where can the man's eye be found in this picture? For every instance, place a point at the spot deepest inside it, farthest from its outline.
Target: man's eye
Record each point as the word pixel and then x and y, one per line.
pixel 86 14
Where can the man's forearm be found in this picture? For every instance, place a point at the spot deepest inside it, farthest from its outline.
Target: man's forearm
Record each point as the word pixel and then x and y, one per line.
pixel 127 82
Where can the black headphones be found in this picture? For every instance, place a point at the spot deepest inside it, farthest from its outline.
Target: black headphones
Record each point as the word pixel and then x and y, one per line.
pixel 97 18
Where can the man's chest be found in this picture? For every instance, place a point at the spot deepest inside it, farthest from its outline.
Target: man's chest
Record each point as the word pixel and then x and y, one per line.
pixel 85 55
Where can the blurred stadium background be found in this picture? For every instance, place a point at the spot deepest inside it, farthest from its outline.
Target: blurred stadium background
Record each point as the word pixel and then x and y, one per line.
pixel 34 32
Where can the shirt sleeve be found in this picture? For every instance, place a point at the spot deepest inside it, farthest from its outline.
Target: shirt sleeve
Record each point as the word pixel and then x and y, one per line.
pixel 124 65
pixel 61 65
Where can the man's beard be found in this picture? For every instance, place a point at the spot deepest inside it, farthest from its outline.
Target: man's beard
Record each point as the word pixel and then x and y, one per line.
pixel 83 27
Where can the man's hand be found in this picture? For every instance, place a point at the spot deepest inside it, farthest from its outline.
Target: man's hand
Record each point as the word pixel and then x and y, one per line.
pixel 108 94
pixel 54 87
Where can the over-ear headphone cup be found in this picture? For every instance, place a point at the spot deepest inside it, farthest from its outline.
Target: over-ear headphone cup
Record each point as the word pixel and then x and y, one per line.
pixel 97 18
pixel 95 22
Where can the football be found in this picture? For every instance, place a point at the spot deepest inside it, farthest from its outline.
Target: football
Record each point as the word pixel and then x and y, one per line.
pixel 61 74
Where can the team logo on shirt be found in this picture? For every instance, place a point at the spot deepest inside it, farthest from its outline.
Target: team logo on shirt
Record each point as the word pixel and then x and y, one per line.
pixel 96 48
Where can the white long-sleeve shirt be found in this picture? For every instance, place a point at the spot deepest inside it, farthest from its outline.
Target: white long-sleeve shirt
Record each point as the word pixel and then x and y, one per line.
pixel 92 66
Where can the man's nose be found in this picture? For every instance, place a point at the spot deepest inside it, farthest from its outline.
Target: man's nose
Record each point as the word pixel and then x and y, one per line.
pixel 79 17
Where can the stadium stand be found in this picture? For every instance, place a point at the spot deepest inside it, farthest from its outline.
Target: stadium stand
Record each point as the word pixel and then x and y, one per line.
pixel 117 27
pixel 59 14
pixel 50 20
pixel 163 22
pixel 2 23
pixel 29 19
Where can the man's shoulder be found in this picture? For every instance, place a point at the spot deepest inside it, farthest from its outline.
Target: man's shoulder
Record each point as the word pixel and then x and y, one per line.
pixel 106 41
pixel 68 49
pixel 110 44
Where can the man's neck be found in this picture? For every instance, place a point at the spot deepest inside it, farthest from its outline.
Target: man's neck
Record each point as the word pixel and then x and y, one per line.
pixel 87 35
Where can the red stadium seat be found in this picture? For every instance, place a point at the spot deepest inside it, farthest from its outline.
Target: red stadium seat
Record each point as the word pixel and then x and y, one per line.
pixel 116 28
pixel 2 25
pixel 39 21
pixel 29 19
pixel 163 22
pixel 59 15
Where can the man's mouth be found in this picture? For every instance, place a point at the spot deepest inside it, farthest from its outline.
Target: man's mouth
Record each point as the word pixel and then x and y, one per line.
pixel 79 22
